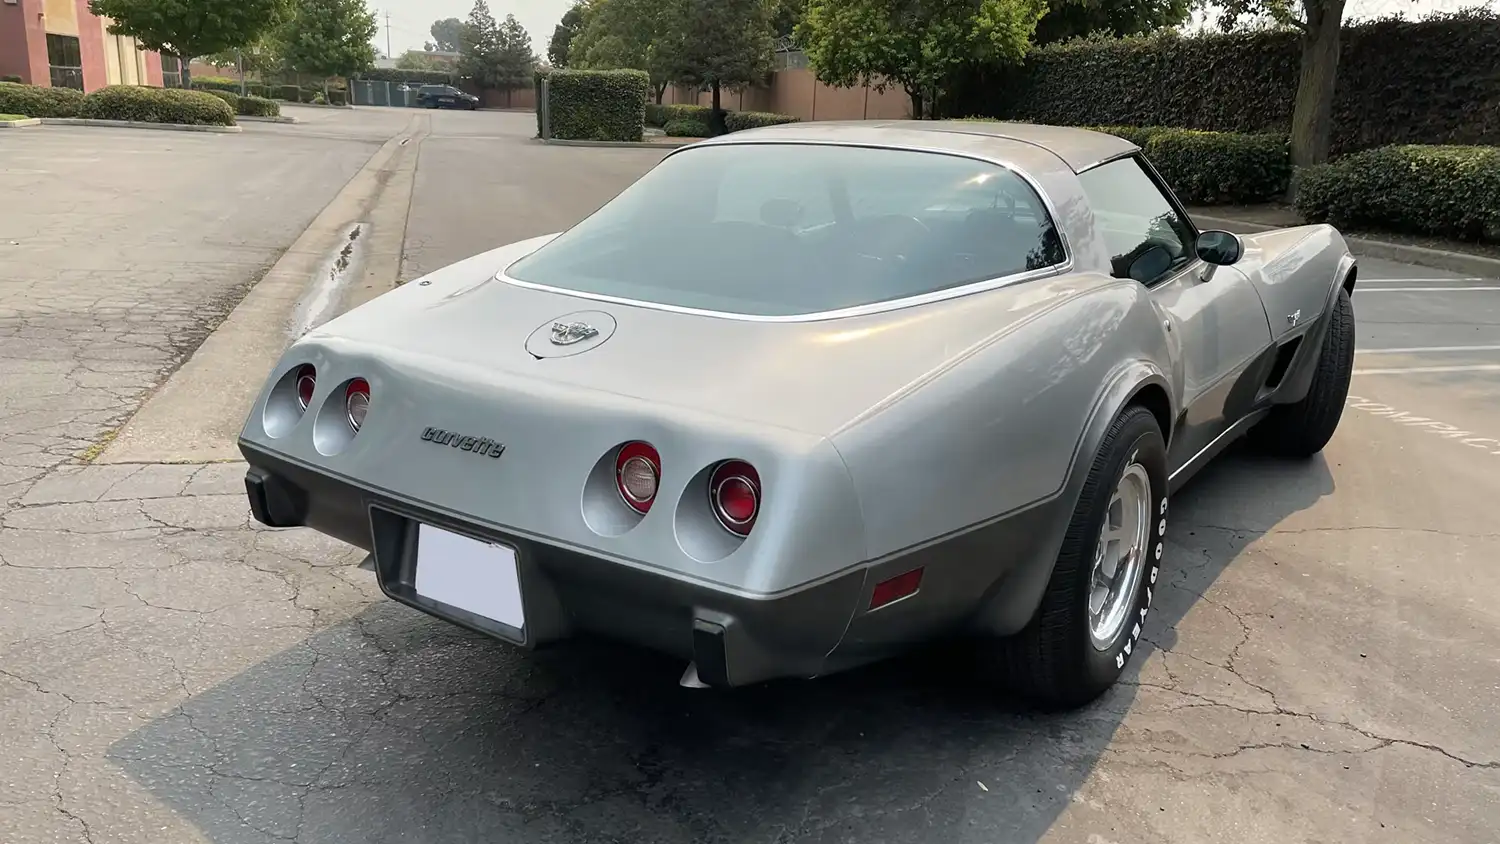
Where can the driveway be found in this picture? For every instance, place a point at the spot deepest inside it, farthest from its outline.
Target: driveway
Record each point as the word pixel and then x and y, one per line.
pixel 1318 666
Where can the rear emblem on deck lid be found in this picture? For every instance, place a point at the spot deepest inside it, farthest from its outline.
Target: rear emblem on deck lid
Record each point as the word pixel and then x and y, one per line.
pixel 568 333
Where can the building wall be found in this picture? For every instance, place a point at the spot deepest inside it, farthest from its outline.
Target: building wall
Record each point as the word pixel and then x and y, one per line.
pixel 797 92
pixel 23 42
pixel 106 59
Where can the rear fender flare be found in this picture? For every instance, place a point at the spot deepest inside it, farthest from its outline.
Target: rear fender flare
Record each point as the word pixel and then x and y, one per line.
pixel 1011 602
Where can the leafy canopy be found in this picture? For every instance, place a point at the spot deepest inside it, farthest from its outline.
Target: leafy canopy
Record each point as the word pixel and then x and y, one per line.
pixel 1068 19
pixel 479 46
pixel 559 49
pixel 191 28
pixel 330 37
pixel 447 35
pixel 516 60
pixel 626 34
pixel 718 43
pixel 917 44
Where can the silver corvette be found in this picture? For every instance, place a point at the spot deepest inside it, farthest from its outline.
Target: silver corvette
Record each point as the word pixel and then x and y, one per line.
pixel 803 397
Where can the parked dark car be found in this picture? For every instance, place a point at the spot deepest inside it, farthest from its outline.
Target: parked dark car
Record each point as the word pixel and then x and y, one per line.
pixel 445 96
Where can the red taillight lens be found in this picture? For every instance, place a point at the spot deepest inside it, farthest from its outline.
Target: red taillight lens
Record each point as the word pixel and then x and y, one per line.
pixel 734 493
pixel 637 474
pixel 357 402
pixel 307 384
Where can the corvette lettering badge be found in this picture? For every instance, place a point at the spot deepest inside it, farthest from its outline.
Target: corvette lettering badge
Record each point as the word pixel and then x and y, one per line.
pixel 1293 318
pixel 483 447
pixel 568 333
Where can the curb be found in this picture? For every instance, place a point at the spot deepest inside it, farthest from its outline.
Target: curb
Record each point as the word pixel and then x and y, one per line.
pixel 1422 256
pixel 254 118
pixel 286 103
pixel 195 416
pixel 132 124
pixel 559 142
pixel 20 124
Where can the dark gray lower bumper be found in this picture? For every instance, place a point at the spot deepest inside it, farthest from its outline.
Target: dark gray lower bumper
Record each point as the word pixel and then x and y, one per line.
pixel 979 580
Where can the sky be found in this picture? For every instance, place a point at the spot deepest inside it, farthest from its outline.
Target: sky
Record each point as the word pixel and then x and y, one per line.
pixel 411 20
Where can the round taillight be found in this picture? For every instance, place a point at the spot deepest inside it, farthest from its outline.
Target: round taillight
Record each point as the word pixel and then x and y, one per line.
pixel 307 384
pixel 734 492
pixel 637 474
pixel 357 402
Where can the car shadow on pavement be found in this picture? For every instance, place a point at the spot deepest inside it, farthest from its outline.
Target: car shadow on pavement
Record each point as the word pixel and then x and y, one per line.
pixel 396 727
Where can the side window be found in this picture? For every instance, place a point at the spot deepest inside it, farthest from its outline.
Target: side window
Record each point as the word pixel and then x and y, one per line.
pixel 1146 237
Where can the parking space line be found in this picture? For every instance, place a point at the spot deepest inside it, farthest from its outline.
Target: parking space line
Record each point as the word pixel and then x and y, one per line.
pixel 1418 350
pixel 1422 289
pixel 1364 281
pixel 1472 367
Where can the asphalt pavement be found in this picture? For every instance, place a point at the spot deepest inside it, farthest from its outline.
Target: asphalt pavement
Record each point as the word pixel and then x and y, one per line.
pixel 1319 665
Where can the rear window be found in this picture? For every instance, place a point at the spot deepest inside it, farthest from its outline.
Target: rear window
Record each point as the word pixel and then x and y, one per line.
pixel 787 229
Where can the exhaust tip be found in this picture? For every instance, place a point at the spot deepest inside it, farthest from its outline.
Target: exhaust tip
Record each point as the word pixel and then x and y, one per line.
pixel 690 678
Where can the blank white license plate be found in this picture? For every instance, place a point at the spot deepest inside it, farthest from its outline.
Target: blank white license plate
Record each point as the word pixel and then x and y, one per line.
pixel 475 576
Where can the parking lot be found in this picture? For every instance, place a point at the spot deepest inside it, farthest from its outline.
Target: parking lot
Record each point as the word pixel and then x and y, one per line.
pixel 1320 665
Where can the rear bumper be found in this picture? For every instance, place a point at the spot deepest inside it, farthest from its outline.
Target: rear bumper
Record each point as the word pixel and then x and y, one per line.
pixel 732 639
pixel 977 581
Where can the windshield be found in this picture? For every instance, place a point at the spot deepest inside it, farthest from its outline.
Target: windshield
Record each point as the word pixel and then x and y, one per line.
pixel 786 229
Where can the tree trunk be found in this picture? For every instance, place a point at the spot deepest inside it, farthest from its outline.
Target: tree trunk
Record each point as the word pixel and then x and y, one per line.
pixel 1312 112
pixel 716 117
pixel 916 102
pixel 661 91
pixel 187 71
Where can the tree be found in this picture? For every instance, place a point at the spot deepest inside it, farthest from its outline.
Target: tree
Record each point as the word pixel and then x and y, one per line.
pixel 330 38
pixel 447 34
pixel 628 34
pixel 516 61
pixel 718 44
pixel 479 47
pixel 785 15
pixel 424 60
pixel 1312 110
pixel 187 29
pixel 917 44
pixel 1067 19
pixel 562 37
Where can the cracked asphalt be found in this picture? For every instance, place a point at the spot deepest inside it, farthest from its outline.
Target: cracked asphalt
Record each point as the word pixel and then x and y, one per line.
pixel 1320 664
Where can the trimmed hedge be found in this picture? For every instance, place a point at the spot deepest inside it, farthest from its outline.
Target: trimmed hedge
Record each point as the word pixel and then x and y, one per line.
pixel 10 77
pixel 598 105
pixel 738 121
pixel 1213 168
pixel 156 105
pixel 682 128
pixel 259 107
pixel 216 83
pixel 1444 191
pixel 232 99
pixel 36 101
pixel 1430 81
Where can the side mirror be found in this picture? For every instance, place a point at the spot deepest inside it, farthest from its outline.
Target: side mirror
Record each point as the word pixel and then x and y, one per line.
pixel 1219 248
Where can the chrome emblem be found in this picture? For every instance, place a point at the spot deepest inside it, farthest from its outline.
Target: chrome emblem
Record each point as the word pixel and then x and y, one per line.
pixel 1294 317
pixel 568 333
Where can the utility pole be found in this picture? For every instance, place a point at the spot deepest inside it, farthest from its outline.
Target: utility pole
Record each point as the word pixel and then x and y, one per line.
pixel 388 36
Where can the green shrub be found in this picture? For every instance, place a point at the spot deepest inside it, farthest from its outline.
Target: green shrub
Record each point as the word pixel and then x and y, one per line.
pixel 1215 168
pixel 36 101
pixel 10 77
pixel 232 99
pixel 1431 81
pixel 338 97
pixel 656 115
pixel 685 112
pixel 688 129
pixel 290 93
pixel 738 121
pixel 259 107
pixel 156 105
pixel 216 83
pixel 1138 135
pixel 598 105
pixel 1443 191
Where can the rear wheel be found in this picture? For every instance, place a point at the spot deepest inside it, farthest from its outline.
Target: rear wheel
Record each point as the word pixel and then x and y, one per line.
pixel 1091 616
pixel 1302 429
